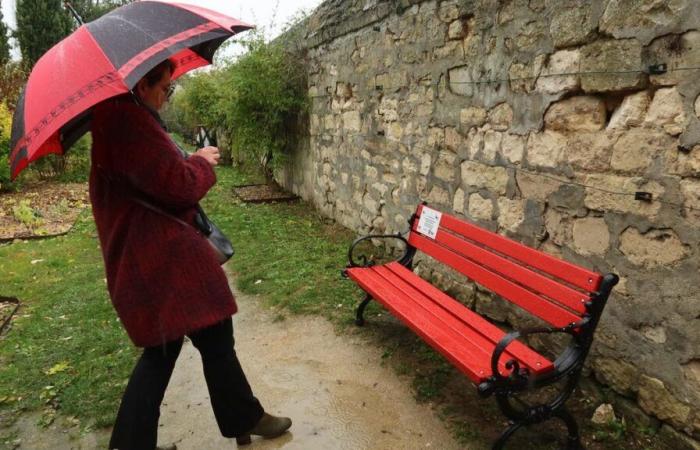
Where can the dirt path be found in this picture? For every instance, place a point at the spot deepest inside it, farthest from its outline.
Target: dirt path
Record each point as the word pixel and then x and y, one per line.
pixel 333 387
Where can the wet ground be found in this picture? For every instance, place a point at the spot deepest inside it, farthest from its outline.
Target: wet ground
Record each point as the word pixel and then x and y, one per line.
pixel 333 387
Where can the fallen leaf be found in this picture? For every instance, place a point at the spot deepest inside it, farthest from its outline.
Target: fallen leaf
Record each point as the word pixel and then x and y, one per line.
pixel 60 367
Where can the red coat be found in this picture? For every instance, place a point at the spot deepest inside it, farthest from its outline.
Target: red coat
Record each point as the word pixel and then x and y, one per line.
pixel 163 278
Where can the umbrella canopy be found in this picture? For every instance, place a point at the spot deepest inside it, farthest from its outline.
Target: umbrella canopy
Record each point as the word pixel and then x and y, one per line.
pixel 105 58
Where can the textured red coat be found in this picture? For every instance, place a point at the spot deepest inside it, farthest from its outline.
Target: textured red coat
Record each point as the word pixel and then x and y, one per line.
pixel 163 277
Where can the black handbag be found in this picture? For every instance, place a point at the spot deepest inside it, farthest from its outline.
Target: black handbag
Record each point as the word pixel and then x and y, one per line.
pixel 217 239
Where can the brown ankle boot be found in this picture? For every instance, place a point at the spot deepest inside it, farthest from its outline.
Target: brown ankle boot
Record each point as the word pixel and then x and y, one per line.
pixel 268 427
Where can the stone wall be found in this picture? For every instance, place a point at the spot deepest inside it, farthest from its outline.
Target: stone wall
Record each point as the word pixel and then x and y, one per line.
pixel 537 119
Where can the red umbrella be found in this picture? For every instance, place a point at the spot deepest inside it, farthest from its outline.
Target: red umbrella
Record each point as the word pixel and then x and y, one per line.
pixel 105 58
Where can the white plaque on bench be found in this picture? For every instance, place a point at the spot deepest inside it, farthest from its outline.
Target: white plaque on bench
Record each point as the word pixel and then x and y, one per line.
pixel 429 222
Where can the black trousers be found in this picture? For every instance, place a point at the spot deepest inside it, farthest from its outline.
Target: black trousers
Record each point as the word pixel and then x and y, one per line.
pixel 235 407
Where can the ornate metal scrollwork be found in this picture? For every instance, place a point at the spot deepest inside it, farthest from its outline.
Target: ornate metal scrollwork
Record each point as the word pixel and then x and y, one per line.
pixel 363 260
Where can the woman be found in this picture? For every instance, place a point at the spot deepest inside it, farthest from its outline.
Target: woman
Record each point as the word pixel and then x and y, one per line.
pixel 163 277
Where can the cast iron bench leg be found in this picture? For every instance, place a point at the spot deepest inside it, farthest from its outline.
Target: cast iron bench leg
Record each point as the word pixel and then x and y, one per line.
pixel 573 440
pixel 359 320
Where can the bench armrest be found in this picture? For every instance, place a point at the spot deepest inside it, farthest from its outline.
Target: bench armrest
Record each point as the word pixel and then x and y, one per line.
pixel 516 374
pixel 363 261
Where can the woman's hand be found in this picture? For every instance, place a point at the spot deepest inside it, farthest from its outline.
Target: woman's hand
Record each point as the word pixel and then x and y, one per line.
pixel 211 154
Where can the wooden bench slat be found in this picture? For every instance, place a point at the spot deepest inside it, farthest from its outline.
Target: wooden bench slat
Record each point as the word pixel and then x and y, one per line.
pixel 435 335
pixel 490 331
pixel 553 289
pixel 571 273
pixel 528 300
pixel 466 321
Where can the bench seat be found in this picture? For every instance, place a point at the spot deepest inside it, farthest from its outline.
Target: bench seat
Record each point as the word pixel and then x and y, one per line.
pixel 461 335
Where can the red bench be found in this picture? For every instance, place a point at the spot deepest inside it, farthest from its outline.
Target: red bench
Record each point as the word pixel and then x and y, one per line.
pixel 567 297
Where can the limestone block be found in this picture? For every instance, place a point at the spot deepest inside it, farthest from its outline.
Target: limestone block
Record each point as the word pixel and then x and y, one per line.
pixel 635 151
pixel 691 371
pixel 452 49
pixel 621 375
pixel 513 147
pixel 371 173
pixel 643 18
pixel 409 166
pixel 551 80
pixel 436 137
pixel 480 208
pixel 314 124
pixel 655 399
pixel 531 35
pixel 535 187
pixel 591 236
pixel 370 203
pixel 388 109
pixel 343 90
pixel 425 163
pixel 438 196
pixel 329 122
pixel 492 146
pixel 666 111
pixel 453 140
pixel 676 51
pixel 511 213
pixel 446 167
pixel 590 151
pixel 495 179
pixel 684 164
pixel 380 188
pixel 655 248
pixel 558 227
pixel 582 113
pixel 392 81
pixel 691 198
pixel 611 56
pixel 458 201
pixel 448 11
pixel 460 78
pixel 573 25
pixel 631 112
pixel 603 201
pixel 604 414
pixel 656 334
pixel 394 131
pixel 545 149
pixel 475 141
pixel 457 30
pixel 523 76
pixel 472 117
pixel 501 117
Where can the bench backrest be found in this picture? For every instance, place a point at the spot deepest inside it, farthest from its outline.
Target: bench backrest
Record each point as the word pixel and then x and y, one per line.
pixel 552 289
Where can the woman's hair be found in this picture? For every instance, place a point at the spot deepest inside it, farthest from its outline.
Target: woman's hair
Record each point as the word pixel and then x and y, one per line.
pixel 156 73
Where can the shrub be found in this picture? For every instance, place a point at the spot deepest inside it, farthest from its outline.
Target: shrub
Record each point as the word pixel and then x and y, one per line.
pixel 264 98
pixel 5 131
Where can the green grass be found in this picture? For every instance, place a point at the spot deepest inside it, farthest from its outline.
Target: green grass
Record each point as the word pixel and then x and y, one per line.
pixel 67 353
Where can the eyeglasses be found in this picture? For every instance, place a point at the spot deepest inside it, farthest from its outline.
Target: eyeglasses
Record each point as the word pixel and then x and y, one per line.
pixel 169 90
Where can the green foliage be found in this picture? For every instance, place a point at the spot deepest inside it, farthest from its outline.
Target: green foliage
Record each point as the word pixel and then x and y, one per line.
pixel 27 215
pixel 40 25
pixel 13 76
pixel 5 130
pixel 264 101
pixel 256 102
pixel 90 10
pixel 4 43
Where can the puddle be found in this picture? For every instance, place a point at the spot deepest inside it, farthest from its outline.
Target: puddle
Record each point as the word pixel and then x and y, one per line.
pixel 333 388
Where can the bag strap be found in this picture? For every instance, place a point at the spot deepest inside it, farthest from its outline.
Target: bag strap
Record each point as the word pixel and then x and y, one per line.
pixel 161 212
